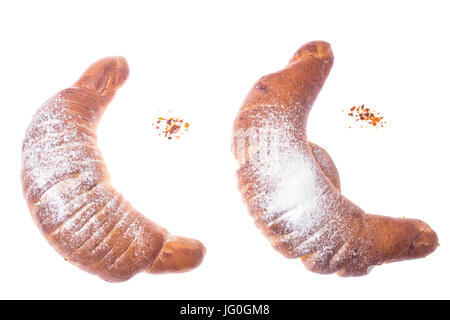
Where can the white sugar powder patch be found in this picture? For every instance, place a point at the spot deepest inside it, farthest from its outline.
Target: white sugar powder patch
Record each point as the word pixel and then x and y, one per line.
pixel 288 184
pixel 70 196
pixel 55 147
pixel 298 194
pixel 295 179
pixel 292 174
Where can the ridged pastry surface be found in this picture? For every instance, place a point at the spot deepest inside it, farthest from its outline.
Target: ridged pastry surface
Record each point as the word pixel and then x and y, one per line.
pixel 291 186
pixel 67 187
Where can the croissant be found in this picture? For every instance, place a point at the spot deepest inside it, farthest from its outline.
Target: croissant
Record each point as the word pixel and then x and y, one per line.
pixel 292 188
pixel 67 187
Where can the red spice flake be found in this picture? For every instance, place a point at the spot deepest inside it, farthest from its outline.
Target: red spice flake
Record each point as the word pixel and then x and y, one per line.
pixel 174 129
pixel 361 113
pixel 171 127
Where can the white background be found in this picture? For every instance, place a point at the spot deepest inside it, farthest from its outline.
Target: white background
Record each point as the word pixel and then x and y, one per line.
pixel 200 58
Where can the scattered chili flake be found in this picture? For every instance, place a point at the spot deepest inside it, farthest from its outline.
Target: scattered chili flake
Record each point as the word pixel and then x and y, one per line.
pixel 171 127
pixel 362 113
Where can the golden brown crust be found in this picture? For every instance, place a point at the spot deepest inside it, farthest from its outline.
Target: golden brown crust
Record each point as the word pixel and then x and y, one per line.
pixel 178 255
pixel 292 188
pixel 67 187
pixel 326 164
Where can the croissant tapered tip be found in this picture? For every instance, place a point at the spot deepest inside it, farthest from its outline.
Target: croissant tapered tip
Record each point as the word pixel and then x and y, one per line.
pixel 424 242
pixel 398 239
pixel 105 76
pixel 178 254
pixel 317 49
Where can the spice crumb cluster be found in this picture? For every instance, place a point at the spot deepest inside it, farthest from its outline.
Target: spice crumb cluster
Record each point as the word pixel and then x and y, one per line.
pixel 367 116
pixel 171 127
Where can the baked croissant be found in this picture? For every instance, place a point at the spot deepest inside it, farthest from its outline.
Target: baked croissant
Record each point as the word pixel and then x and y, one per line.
pixel 68 190
pixel 291 186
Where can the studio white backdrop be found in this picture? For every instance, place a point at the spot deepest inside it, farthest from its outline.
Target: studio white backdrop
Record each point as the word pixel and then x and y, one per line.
pixel 200 58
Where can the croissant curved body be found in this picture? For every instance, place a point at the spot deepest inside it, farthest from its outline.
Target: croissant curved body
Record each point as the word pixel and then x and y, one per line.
pixel 292 189
pixel 68 190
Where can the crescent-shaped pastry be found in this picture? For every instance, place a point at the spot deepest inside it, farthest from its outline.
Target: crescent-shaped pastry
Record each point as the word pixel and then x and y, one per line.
pixel 68 190
pixel 291 187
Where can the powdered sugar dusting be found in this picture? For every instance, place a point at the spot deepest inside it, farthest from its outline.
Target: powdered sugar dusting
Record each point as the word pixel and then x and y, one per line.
pixel 67 187
pixel 285 186
pixel 56 148
pixel 295 181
